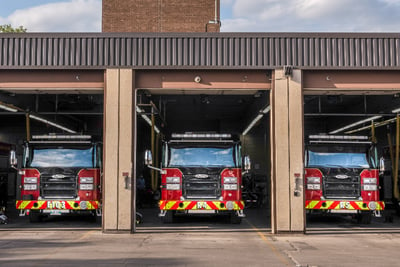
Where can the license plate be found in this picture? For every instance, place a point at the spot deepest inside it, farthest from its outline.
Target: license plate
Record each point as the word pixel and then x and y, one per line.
pixel 344 205
pixel 201 205
pixel 56 205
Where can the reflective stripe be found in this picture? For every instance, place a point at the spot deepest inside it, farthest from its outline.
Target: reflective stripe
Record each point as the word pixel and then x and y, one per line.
pixel 56 205
pixel 199 205
pixel 342 205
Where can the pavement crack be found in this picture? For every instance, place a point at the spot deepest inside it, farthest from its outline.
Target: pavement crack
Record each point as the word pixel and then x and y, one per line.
pixel 292 258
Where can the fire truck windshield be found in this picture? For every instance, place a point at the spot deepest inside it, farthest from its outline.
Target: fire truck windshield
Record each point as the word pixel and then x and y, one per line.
pixel 346 160
pixel 61 157
pixel 201 157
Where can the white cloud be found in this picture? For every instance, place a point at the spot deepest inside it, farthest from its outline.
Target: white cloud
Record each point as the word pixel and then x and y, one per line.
pixel 312 15
pixel 67 16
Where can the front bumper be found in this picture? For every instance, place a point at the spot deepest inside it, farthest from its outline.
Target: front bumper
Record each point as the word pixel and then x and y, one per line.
pixel 201 205
pixel 57 205
pixel 343 205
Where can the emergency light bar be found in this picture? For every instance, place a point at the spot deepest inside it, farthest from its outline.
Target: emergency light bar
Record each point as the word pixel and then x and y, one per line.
pixel 61 137
pixel 60 142
pixel 200 135
pixel 339 137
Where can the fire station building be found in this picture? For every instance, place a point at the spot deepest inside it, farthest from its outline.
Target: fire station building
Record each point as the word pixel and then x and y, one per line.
pixel 271 89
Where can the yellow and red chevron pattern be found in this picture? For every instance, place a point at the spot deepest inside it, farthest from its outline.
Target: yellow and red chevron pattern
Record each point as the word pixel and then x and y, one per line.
pixel 200 205
pixel 343 205
pixel 56 205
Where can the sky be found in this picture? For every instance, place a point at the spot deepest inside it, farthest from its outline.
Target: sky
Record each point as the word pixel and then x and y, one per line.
pixel 236 15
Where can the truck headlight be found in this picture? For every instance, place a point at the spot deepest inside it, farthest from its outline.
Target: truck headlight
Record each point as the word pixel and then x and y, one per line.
pixel 86 187
pixel 173 187
pixel 30 186
pixel 370 187
pixel 369 180
pixel 86 180
pixel 173 180
pixel 30 180
pixel 230 180
pixel 313 186
pixel 372 205
pixel 230 187
pixel 313 180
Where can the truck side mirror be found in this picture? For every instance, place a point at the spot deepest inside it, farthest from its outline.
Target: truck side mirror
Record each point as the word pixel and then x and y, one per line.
pixel 148 158
pixel 148 161
pixel 381 164
pixel 13 159
pixel 246 163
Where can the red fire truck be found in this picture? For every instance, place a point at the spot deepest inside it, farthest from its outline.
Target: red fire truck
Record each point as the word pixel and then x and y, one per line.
pixel 60 174
pixel 201 174
pixel 342 176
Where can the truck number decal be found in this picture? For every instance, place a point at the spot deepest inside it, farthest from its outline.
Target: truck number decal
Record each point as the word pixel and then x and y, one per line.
pixel 344 205
pixel 201 205
pixel 56 205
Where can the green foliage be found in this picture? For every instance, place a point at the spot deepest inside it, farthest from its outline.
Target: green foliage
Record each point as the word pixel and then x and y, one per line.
pixel 7 28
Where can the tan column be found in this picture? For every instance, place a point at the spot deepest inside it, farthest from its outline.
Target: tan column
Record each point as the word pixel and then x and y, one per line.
pixel 111 136
pixel 296 153
pixel 280 212
pixel 117 150
pixel 125 150
pixel 287 209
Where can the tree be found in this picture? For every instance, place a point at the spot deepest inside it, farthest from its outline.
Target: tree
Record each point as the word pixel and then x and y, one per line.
pixel 7 28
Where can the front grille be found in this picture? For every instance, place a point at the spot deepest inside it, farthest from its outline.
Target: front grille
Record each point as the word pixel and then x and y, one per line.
pixel 209 187
pixel 342 188
pixel 64 186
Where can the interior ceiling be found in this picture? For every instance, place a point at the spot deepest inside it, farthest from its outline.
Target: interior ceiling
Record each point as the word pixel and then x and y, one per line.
pixel 204 110
pixel 325 113
pixel 80 112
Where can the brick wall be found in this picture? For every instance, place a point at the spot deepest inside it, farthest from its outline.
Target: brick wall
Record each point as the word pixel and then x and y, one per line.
pixel 159 16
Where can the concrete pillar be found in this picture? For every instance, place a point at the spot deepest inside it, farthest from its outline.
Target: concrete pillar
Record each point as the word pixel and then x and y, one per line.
pixel 287 192
pixel 118 150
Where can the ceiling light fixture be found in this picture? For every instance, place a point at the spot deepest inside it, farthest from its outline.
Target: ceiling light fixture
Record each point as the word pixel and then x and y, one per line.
pixel 8 107
pixel 376 125
pixel 355 124
pixel 12 108
pixel 52 123
pixel 256 119
pixel 146 118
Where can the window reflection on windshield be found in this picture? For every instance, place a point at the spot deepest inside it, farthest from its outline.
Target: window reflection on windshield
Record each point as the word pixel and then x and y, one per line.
pixel 353 160
pixel 62 158
pixel 201 157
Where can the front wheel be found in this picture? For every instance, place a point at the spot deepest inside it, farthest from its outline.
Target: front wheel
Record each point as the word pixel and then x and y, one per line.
pixel 35 217
pixel 168 217
pixel 365 217
pixel 234 218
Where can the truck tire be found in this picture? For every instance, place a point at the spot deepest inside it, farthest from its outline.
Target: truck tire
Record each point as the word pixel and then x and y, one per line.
pixel 169 217
pixel 95 218
pixel 35 217
pixel 234 218
pixel 365 217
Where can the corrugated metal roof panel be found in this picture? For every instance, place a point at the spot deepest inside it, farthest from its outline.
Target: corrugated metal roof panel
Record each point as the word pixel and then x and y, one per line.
pixel 229 51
